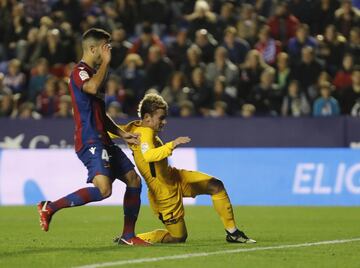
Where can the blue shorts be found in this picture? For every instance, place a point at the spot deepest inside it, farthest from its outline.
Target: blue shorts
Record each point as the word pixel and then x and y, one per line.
pixel 101 159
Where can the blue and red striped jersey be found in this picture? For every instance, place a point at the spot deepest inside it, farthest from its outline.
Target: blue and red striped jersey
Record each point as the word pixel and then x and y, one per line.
pixel 89 110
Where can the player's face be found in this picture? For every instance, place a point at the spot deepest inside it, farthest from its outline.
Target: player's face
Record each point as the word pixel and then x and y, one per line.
pixel 98 50
pixel 158 120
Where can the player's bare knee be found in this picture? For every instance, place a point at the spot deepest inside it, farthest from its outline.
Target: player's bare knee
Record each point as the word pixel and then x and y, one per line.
pixel 215 186
pixel 105 191
pixel 132 179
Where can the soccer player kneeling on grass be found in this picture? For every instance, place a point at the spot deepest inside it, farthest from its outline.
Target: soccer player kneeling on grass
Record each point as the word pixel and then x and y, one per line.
pixel 168 185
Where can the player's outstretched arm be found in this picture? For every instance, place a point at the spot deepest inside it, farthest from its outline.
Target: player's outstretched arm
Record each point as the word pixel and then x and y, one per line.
pixel 130 138
pixel 94 83
pixel 152 154
pixel 181 140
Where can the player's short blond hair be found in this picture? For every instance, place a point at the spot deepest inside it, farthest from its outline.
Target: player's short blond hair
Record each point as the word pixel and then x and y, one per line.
pixel 150 103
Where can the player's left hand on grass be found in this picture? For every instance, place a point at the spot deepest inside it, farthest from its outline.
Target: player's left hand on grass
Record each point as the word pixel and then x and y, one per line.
pixel 131 138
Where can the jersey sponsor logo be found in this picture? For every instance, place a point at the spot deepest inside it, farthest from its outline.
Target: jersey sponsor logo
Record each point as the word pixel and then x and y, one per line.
pixel 144 147
pixel 92 150
pixel 84 75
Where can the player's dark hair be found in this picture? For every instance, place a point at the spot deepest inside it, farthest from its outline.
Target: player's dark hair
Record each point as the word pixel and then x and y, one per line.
pixel 96 34
pixel 150 103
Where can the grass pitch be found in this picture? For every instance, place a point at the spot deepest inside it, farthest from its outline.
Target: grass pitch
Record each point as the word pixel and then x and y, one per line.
pixel 83 236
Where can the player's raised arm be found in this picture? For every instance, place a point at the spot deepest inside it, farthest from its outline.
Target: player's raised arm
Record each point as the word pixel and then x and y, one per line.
pixel 94 83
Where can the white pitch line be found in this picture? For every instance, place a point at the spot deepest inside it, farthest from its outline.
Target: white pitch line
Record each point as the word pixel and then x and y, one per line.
pixel 203 254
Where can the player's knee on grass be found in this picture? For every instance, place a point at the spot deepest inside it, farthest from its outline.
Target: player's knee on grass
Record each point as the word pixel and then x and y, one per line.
pixel 132 179
pixel 215 186
pixel 171 239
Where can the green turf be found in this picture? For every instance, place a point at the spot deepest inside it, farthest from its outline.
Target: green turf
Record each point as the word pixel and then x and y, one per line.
pixel 80 236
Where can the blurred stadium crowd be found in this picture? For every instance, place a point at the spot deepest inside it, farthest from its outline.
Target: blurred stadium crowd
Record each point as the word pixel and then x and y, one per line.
pixel 206 58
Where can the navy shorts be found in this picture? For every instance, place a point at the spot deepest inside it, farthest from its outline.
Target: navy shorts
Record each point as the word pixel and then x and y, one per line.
pixel 109 161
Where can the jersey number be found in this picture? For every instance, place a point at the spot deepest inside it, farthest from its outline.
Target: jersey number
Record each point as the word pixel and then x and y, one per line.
pixel 104 155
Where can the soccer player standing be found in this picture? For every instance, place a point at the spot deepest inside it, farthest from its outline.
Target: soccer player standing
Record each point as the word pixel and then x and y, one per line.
pixel 103 159
pixel 168 185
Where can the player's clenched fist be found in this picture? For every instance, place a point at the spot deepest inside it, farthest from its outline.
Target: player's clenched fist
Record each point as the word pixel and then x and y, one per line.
pixel 181 140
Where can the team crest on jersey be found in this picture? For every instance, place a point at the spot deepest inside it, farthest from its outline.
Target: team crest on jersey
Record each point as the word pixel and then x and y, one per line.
pixel 84 75
pixel 144 147
pixel 92 150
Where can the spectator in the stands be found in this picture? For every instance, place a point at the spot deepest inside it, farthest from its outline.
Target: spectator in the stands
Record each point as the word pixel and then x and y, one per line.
pixel 52 49
pixel 342 78
pixel 301 40
pixel 221 94
pixel 283 24
pixel 65 107
pixel 114 110
pixel 132 75
pixel 331 49
pixel 346 17
pixel 222 66
pixel 308 70
pixel 220 109
pixel 313 91
pixel 247 110
pixel 201 18
pixel 14 78
pixel 68 42
pixel 175 92
pixel 16 29
pixel 193 60
pixel 177 50
pixel 4 90
pixel 267 46
pixel 250 72
pixel 227 18
pixel 323 15
pixel 264 97
pixel 353 45
pixel 326 105
pixel 27 111
pixel 147 39
pixel 38 76
pixel 295 103
pixel 119 47
pixel 158 70
pixel 155 12
pixel 113 91
pixel 262 7
pixel 302 10
pixel 283 72
pixel 47 102
pixel 207 44
pixel 249 24
pixel 352 93
pixel 237 47
pixel 200 92
pixel 6 104
pixel 355 110
pixel 30 47
pixel 186 109
pixel 71 11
